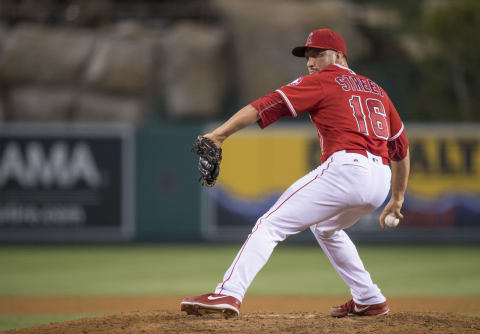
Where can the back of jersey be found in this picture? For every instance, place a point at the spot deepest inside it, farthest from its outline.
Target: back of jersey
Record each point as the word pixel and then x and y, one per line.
pixel 353 113
pixel 349 111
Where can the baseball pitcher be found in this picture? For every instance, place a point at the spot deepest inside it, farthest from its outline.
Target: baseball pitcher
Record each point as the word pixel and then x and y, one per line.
pixel 360 134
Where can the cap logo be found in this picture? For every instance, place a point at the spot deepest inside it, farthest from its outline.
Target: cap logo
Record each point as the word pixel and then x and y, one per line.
pixel 309 39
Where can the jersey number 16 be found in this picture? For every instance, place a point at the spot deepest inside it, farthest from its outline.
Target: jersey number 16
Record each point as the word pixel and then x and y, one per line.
pixel 376 114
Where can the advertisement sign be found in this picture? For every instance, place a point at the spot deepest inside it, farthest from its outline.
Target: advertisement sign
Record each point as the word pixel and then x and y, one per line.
pixel 442 200
pixel 444 187
pixel 66 182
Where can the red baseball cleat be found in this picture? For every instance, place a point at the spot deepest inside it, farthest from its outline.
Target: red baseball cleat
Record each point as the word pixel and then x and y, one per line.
pixel 211 303
pixel 352 308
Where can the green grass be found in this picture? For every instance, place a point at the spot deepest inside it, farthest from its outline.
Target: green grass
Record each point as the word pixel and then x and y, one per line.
pixel 22 321
pixel 188 269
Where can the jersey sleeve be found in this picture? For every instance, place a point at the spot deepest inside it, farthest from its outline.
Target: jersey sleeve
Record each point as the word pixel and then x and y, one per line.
pixel 397 143
pixel 270 108
pixel 302 95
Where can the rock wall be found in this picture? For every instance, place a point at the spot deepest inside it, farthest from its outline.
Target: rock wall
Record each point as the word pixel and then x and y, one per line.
pixel 67 74
pixel 35 54
pixel 195 76
pixel 265 31
pixel 114 72
pixel 41 104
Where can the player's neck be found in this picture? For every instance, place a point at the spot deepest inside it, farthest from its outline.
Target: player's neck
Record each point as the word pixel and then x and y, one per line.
pixel 342 62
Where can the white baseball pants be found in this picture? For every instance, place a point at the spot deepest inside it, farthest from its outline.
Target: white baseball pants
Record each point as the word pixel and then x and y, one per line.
pixel 327 200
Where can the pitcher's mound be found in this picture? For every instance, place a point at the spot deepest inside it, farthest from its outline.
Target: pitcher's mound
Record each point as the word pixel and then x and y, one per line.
pixel 176 322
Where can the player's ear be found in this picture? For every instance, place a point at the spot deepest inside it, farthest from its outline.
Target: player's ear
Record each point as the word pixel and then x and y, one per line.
pixel 340 58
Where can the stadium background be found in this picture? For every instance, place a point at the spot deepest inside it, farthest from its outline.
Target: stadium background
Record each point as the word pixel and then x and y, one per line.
pixel 100 102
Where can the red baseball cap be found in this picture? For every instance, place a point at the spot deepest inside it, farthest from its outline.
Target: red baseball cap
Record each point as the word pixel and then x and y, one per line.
pixel 322 39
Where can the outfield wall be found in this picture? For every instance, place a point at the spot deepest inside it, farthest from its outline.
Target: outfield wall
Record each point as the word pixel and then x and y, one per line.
pixel 442 201
pixel 98 183
pixel 168 192
pixel 68 183
pixel 103 183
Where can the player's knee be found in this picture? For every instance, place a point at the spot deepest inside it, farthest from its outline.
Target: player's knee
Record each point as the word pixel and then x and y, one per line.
pixel 322 233
pixel 270 230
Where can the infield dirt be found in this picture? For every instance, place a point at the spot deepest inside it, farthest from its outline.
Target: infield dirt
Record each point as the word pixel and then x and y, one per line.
pixel 259 314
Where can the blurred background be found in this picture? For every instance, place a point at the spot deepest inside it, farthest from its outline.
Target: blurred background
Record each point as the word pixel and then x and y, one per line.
pixel 100 101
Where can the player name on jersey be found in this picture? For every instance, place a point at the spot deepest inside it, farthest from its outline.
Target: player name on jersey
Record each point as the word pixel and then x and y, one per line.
pixel 358 84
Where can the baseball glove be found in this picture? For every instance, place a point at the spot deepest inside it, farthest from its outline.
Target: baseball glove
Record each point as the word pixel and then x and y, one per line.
pixel 209 160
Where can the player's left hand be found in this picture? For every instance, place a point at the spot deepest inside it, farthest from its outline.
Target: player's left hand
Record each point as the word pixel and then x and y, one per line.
pixel 393 207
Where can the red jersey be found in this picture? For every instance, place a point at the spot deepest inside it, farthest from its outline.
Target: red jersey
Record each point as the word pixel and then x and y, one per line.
pixel 350 111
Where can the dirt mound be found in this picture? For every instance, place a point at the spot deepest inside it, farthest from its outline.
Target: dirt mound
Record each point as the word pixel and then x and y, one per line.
pixel 176 322
pixel 251 304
